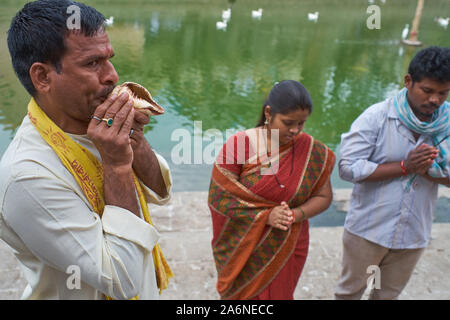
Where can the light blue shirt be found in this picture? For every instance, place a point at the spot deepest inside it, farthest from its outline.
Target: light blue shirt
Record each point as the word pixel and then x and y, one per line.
pixel 385 212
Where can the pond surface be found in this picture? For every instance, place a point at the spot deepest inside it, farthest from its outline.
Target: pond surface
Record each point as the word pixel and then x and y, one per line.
pixel 217 80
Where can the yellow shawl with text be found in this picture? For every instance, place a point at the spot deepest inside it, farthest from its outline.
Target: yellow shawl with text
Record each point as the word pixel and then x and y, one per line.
pixel 88 172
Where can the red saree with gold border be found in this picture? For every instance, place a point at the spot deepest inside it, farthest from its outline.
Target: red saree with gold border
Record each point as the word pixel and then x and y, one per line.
pixel 248 253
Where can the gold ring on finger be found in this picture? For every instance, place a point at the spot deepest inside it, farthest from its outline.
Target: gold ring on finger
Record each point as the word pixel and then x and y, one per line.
pixel 109 122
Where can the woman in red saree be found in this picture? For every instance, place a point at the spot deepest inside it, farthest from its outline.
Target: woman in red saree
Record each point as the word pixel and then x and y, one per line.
pixel 265 184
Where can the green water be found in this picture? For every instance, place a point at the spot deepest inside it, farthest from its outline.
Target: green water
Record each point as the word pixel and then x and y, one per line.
pixel 199 73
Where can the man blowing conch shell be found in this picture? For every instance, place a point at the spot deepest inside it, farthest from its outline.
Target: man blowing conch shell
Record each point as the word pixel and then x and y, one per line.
pixel 142 99
pixel 69 179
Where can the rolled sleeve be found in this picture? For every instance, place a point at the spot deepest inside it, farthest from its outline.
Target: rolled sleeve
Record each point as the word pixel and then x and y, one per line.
pixel 356 171
pixel 357 146
pixel 125 224
pixel 150 195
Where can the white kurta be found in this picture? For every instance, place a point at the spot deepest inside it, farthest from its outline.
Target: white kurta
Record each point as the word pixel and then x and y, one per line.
pixel 54 232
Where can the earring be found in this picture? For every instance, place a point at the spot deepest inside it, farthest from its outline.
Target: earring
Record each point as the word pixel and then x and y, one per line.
pixel 266 122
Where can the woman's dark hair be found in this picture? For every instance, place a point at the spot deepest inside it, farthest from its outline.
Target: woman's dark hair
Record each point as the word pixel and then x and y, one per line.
pixel 285 97
pixel 37 34
pixel 432 63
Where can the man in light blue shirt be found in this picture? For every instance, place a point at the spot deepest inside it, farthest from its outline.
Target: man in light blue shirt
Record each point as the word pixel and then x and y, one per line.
pixel 396 153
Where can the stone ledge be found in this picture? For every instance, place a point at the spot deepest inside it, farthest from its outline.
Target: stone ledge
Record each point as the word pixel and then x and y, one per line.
pixel 185 227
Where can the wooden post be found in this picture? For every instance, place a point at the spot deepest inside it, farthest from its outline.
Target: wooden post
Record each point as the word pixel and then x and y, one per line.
pixel 413 39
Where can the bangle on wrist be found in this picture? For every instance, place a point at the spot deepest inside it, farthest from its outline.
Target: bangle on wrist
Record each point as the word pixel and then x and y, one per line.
pixel 402 165
pixel 303 214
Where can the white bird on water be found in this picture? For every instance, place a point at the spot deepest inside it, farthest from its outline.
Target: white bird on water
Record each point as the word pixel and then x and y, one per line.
pixel 313 16
pixel 221 25
pixel 226 14
pixel 257 14
pixel 405 31
pixel 109 21
pixel 442 22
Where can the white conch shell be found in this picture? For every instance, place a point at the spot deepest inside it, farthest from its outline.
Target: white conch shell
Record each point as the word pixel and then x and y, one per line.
pixel 142 98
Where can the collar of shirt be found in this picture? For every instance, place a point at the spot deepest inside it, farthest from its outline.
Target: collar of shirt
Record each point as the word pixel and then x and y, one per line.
pixel 404 130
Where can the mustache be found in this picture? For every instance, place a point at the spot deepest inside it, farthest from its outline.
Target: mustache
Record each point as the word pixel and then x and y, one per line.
pixel 431 105
pixel 105 92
